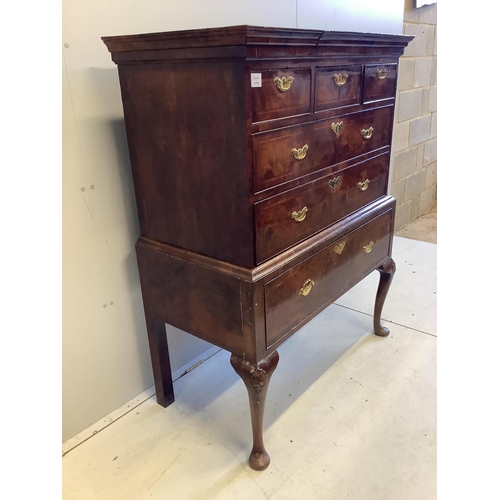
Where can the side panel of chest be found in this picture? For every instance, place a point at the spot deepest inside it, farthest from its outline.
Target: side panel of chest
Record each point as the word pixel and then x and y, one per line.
pixel 186 131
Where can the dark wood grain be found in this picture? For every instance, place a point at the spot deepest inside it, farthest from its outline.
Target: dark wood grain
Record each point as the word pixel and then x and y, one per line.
pixel 330 95
pixel 327 200
pixel 386 270
pixel 269 102
pixel 215 180
pixel 350 142
pixel 224 304
pixel 256 378
pixel 160 359
pixel 258 38
pixel 285 259
pixel 199 300
pixel 331 273
pixel 274 162
pixel 189 159
pixel 376 88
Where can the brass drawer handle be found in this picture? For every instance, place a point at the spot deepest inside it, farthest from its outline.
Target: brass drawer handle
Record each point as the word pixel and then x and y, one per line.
pixel 334 182
pixel 300 154
pixel 283 83
pixel 340 78
pixel 339 248
pixel 368 248
pixel 363 186
pixel 306 287
pixel 337 127
pixel 300 215
pixel 382 73
pixel 367 133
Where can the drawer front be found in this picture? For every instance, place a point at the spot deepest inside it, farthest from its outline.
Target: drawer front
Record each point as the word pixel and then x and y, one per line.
pixel 285 154
pixel 284 92
pixel 363 132
pixel 296 294
pixel 292 152
pixel 337 86
pixel 379 82
pixel 281 220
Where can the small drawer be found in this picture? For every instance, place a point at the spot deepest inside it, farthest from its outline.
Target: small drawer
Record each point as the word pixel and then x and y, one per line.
pixel 284 92
pixel 299 292
pixel 379 81
pixel 288 218
pixel 363 132
pixel 337 87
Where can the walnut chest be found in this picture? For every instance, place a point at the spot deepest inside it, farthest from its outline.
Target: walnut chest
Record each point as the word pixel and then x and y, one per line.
pixel 260 159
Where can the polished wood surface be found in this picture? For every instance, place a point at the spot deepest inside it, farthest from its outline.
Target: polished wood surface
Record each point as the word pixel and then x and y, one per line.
pixel 270 102
pixel 160 359
pixel 256 378
pixel 274 162
pixel 291 42
pixel 327 199
pixel 330 94
pixel 225 304
pixel 332 271
pixel 199 300
pixel 260 159
pixel 378 86
pixel 186 176
pixel 350 141
pixel 386 269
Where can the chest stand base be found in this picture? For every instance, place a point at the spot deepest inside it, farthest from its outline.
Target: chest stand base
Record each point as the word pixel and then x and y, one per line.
pixel 256 377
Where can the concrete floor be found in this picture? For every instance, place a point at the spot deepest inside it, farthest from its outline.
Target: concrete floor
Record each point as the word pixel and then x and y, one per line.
pixel 349 414
pixel 423 229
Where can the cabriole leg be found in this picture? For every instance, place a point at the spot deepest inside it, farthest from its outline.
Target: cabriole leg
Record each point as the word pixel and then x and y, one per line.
pixel 256 379
pixel 386 270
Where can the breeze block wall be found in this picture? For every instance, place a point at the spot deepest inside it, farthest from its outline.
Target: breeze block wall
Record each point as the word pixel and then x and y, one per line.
pixel 414 153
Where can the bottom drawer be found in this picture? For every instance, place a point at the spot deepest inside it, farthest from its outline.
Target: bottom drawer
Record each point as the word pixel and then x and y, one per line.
pixel 293 296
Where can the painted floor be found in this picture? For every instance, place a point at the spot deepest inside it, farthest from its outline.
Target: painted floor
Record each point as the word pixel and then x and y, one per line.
pixel 348 414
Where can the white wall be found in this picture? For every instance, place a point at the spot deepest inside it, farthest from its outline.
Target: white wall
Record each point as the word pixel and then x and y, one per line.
pixel 105 352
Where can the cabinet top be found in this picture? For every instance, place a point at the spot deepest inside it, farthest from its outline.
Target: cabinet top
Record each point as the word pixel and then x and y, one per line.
pixel 246 35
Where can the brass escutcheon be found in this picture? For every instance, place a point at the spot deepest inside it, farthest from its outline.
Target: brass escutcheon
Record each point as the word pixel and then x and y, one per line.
pixel 300 154
pixel 364 185
pixel 300 215
pixel 367 133
pixel 306 287
pixel 382 73
pixel 339 248
pixel 368 248
pixel 340 78
pixel 337 127
pixel 334 182
pixel 283 83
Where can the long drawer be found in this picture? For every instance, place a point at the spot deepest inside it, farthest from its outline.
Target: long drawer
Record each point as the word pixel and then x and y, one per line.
pixel 296 294
pixel 287 218
pixel 285 154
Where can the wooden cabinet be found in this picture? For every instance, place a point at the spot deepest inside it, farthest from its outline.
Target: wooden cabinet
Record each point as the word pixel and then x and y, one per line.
pixel 260 159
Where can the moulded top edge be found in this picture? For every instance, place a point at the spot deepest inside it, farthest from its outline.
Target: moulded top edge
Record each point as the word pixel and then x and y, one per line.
pixel 244 35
